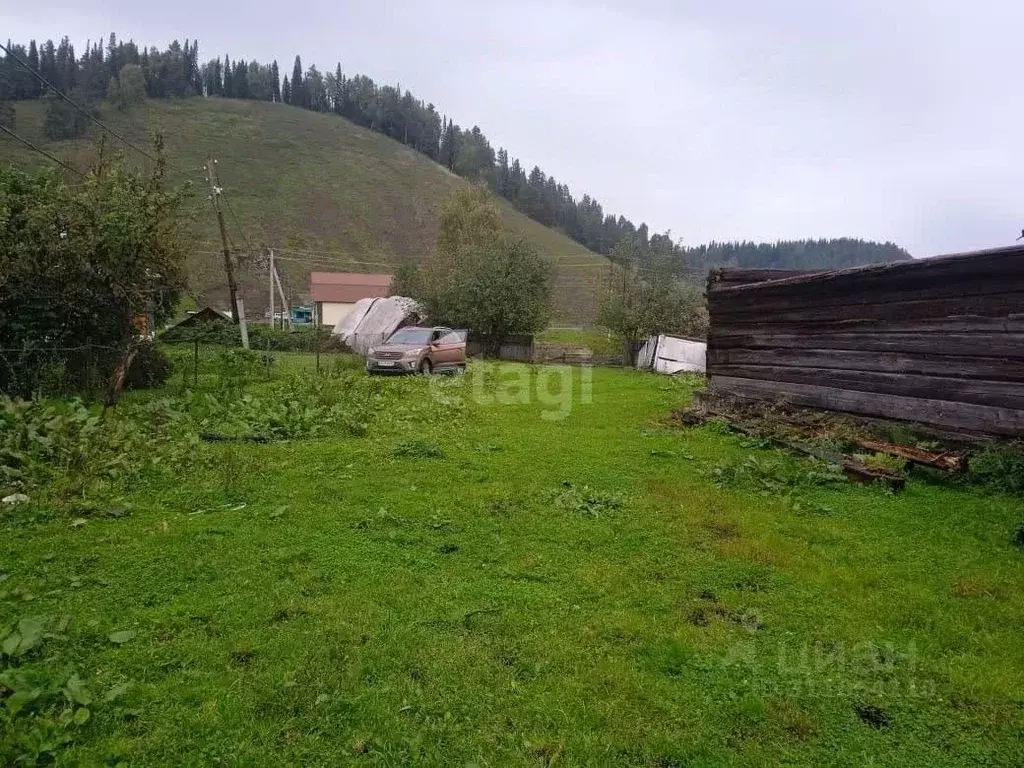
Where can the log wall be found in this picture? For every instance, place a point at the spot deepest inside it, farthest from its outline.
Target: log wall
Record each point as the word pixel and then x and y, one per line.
pixel 937 341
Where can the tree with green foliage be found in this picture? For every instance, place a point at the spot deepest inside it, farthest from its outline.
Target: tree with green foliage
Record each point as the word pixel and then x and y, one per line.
pixel 127 89
pixel 62 120
pixel 275 81
pixel 79 267
pixel 635 306
pixel 174 72
pixel 298 90
pixel 35 87
pixel 480 277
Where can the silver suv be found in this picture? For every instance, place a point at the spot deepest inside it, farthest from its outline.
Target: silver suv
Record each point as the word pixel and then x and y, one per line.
pixel 419 350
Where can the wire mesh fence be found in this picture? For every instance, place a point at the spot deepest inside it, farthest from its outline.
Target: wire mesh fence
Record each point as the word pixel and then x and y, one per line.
pixel 87 371
pixel 45 370
pixel 213 358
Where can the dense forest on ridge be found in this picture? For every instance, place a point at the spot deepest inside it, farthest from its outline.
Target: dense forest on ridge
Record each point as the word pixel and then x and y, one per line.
pixel 111 72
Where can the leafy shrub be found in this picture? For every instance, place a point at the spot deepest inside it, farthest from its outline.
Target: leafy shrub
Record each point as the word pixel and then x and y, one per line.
pixel 1000 467
pixel 585 501
pixel 236 367
pixel 882 462
pixel 69 447
pixel 150 368
pixel 261 337
pixel 43 709
pixel 772 476
pixel 419 449
pixel 291 408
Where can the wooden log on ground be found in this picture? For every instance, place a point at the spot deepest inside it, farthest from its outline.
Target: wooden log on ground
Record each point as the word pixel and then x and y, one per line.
pixel 946 461
pixel 854 470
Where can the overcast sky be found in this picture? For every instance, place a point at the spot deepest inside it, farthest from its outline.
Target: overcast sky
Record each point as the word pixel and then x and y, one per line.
pixel 893 120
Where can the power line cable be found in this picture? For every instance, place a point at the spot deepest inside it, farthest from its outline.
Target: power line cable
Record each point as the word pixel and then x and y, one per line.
pixel 43 152
pixel 245 237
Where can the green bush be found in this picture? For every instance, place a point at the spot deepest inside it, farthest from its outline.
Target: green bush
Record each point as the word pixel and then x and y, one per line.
pixel 261 337
pixel 150 368
pixel 1000 467
pixel 68 448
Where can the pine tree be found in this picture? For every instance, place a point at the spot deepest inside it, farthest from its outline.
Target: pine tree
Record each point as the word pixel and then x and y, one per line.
pixel 229 78
pixel 114 62
pixel 339 95
pixel 449 146
pixel 298 96
pixel 33 62
pixel 286 91
pixel 240 78
pixel 275 81
pixel 48 61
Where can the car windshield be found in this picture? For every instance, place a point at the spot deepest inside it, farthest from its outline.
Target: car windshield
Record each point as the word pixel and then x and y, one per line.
pixel 411 336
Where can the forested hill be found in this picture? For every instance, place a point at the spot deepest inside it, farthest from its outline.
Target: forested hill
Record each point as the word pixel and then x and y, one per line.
pixel 793 254
pixel 122 73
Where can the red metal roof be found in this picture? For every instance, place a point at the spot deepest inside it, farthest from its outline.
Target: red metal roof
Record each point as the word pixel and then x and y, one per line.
pixel 347 287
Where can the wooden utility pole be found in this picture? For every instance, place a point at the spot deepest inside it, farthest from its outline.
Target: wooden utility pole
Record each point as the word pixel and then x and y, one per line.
pixel 284 302
pixel 273 320
pixel 242 325
pixel 211 176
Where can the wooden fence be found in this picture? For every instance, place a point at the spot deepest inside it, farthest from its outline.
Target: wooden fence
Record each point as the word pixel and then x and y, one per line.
pixel 526 349
pixel 937 341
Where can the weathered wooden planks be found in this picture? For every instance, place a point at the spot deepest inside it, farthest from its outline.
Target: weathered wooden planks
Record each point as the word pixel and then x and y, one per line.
pixel 833 295
pixel 934 361
pixel 959 267
pixel 937 341
pixel 993 305
pixel 983 392
pixel 966 416
pixel 726 276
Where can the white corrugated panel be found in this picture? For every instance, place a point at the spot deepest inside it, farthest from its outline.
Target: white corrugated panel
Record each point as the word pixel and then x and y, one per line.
pixel 381 318
pixel 348 324
pixel 670 354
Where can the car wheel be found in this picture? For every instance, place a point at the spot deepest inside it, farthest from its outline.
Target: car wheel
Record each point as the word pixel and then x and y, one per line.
pixel 426 367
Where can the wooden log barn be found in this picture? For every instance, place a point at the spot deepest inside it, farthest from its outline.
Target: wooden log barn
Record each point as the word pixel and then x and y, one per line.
pixel 935 341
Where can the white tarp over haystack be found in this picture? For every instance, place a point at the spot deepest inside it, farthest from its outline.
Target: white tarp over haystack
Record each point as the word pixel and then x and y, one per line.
pixel 371 321
pixel 671 354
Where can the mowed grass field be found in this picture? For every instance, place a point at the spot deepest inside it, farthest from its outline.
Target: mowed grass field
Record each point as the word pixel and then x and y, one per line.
pixel 527 567
pixel 321 190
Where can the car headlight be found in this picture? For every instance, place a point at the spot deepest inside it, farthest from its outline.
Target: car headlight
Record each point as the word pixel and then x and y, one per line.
pixel 412 353
pixel 370 351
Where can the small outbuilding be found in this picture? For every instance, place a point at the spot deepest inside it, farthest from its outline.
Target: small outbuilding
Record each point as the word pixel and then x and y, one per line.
pixel 205 316
pixel 335 294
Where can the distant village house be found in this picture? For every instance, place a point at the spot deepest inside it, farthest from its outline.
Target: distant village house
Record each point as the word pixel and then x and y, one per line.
pixel 334 294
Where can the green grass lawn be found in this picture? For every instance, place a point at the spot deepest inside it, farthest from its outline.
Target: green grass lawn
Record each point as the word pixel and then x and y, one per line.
pixel 482 583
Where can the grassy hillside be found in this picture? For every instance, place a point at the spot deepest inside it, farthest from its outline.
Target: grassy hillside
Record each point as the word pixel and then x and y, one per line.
pixel 318 188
